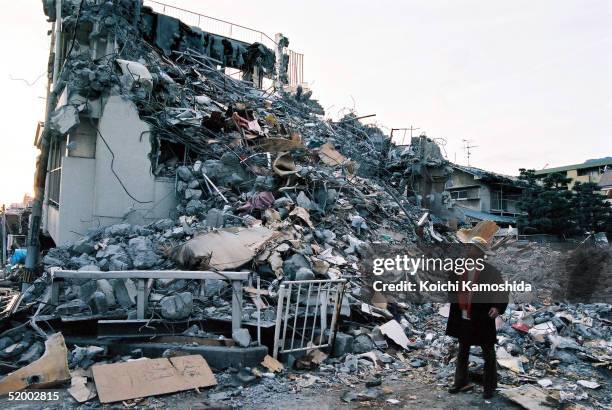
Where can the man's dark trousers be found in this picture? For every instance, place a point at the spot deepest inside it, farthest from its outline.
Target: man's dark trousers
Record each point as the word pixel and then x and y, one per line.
pixel 490 367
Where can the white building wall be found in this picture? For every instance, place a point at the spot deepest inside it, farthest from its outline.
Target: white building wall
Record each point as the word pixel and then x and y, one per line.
pixel 129 139
pixel 52 222
pixel 92 196
pixel 76 198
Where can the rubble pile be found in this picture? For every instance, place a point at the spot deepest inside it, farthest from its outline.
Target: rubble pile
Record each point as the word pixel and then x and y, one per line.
pixel 254 159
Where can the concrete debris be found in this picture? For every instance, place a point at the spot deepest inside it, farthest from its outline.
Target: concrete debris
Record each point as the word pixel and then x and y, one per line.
pixel 84 357
pixel 64 119
pixel 242 337
pixel 223 249
pixel 82 390
pixel 177 306
pixel 272 364
pixel 394 331
pixel 529 397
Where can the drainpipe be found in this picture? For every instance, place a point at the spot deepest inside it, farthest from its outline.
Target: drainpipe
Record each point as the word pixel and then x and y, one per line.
pixel 40 177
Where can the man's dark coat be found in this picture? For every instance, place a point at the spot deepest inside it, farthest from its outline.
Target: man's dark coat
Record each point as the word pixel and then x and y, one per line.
pixel 480 329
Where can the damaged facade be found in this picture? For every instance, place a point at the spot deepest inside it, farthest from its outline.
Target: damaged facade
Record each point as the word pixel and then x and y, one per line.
pixel 484 195
pixel 106 163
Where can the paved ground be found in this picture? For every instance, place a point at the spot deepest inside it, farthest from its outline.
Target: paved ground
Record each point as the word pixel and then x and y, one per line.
pixel 411 395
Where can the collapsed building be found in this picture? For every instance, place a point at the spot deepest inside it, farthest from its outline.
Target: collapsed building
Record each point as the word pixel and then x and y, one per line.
pixel 196 212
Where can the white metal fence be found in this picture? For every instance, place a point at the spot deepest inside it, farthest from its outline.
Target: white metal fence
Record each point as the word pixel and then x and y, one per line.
pixel 302 321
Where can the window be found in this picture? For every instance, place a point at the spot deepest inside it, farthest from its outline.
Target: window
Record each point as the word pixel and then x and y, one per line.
pixel 55 171
pixel 465 194
pixel 592 172
pixel 459 194
pixel 504 201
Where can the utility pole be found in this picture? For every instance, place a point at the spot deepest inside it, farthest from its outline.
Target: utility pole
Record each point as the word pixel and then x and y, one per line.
pixel 40 177
pixel 3 236
pixel 468 149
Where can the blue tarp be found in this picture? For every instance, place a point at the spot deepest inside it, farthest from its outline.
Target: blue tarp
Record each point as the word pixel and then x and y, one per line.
pixel 19 256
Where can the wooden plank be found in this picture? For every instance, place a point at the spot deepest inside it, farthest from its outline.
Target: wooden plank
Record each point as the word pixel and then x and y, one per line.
pixel 142 378
pixel 145 274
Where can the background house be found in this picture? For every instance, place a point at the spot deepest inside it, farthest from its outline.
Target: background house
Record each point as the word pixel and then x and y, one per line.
pixel 588 171
pixel 483 195
pixel 605 184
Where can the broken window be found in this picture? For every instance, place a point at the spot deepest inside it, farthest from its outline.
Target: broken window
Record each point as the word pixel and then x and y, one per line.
pixel 170 155
pixel 82 141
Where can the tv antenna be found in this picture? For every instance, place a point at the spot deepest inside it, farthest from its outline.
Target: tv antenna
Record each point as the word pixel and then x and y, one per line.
pixel 467 146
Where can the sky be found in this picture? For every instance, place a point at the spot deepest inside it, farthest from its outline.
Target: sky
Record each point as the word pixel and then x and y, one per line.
pixel 528 83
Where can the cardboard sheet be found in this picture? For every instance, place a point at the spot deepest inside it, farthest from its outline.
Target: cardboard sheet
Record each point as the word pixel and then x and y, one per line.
pixel 142 378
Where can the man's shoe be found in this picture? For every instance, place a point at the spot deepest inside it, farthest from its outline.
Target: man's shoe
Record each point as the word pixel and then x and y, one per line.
pixel 454 389
pixel 488 394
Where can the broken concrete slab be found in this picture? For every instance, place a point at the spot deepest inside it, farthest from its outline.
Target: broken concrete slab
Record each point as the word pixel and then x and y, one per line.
pixel 124 291
pixel 82 390
pixel 529 397
pixel 64 119
pixel 141 251
pixel 98 303
pixel 242 337
pixel 394 331
pixel 135 72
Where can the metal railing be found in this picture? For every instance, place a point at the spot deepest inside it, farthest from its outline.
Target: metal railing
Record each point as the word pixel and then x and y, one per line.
pixel 295 317
pixel 213 25
pixel 295 69
pixel 228 29
pixel 144 281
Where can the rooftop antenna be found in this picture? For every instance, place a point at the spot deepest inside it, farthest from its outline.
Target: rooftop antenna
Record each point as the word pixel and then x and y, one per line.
pixel 467 146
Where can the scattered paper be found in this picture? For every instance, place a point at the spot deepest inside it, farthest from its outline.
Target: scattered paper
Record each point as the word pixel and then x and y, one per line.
pixel 394 331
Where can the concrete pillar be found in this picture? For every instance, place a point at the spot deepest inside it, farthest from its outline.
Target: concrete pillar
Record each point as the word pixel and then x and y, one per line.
pixel 281 70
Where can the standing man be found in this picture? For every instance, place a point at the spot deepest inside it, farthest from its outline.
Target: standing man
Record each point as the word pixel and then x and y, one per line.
pixel 472 321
